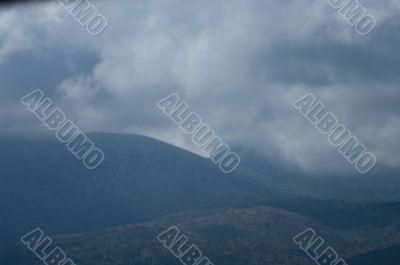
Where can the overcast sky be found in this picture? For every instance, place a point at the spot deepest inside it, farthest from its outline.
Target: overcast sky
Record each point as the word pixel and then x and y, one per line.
pixel 238 64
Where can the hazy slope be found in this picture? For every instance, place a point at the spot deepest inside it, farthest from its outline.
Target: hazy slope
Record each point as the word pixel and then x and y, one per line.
pixel 382 184
pixel 42 184
pixel 229 236
pixel 386 256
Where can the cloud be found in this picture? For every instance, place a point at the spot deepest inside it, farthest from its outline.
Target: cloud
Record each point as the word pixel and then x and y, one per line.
pixel 239 65
pixel 13 40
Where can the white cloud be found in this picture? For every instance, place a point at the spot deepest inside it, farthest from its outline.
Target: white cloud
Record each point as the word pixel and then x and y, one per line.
pixel 239 65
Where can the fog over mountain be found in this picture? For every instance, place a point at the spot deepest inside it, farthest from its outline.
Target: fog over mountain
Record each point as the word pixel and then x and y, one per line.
pixel 239 65
pixel 162 132
pixel 144 186
pixel 43 184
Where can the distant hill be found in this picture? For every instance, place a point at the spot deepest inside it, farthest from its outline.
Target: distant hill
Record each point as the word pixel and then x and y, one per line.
pixel 380 185
pixel 251 236
pixel 387 256
pixel 42 184
pixel 228 236
pixel 343 215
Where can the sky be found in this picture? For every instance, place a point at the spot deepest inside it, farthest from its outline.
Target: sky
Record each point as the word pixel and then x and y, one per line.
pixel 238 64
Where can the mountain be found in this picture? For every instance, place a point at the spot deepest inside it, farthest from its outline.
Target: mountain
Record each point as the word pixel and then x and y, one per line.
pixel 227 236
pixel 42 184
pixel 113 213
pixel 343 215
pixel 380 185
pixel 386 256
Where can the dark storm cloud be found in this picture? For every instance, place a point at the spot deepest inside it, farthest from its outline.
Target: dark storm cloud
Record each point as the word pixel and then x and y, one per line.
pixel 239 65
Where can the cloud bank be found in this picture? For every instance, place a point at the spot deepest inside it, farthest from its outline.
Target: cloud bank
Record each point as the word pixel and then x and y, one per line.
pixel 239 65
